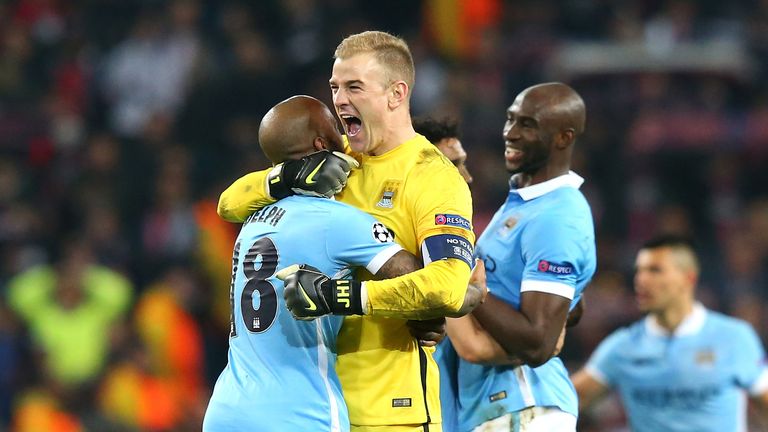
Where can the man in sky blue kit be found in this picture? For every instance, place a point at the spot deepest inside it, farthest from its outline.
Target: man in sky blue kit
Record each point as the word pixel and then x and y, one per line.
pixel 682 368
pixel 280 375
pixel 539 254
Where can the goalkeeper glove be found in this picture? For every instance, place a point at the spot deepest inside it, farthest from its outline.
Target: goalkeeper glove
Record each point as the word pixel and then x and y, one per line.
pixel 321 174
pixel 309 293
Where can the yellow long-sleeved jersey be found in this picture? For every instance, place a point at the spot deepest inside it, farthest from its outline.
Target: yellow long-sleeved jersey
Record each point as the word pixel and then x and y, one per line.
pixel 420 196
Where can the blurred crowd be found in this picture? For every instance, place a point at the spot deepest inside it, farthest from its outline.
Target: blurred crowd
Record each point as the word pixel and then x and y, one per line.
pixel 122 121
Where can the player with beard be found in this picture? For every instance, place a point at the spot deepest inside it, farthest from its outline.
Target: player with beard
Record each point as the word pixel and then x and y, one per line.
pixel 539 254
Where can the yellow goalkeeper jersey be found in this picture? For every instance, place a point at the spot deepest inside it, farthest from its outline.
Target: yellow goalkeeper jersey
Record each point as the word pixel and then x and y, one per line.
pixel 417 193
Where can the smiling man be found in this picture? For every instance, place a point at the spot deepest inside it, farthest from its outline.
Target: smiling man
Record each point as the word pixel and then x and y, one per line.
pixel 390 382
pixel 539 252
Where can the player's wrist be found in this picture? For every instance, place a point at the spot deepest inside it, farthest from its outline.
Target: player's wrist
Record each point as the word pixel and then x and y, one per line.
pixel 343 297
pixel 277 184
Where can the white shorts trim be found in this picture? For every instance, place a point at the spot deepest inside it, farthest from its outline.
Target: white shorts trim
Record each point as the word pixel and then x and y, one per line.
pixel 533 419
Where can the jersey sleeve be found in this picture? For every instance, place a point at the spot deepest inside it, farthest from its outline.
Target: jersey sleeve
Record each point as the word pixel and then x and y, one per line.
pixel 751 370
pixel 246 195
pixel 110 292
pixel 436 290
pixel 30 293
pixel 361 241
pixel 603 364
pixel 442 214
pixel 553 253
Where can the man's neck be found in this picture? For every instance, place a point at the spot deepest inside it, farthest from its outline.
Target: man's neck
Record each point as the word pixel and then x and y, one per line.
pixel 396 133
pixel 548 173
pixel 671 317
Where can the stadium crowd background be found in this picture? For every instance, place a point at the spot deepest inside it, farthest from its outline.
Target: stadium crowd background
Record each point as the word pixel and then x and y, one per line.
pixel 122 121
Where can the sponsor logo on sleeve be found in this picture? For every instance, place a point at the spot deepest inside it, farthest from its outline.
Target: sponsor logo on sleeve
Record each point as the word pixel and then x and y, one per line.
pixel 452 220
pixel 554 268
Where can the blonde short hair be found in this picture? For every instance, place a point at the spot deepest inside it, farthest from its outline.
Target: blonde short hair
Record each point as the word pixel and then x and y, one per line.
pixel 391 52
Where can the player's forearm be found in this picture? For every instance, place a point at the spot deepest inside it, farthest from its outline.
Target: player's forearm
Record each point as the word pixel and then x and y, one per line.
pixel 530 337
pixel 588 388
pixel 246 195
pixel 437 290
pixel 474 344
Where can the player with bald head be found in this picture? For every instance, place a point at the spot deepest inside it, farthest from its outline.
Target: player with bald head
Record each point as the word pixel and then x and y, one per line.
pixel 549 118
pixel 682 368
pixel 297 126
pixel 539 255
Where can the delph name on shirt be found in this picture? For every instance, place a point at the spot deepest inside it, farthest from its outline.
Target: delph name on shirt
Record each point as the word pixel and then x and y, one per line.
pixel 269 215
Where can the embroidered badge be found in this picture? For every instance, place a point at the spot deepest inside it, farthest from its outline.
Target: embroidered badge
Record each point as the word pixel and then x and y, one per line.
pixel 388 194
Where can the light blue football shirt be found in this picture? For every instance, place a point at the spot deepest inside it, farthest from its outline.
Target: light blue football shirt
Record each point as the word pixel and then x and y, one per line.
pixel 448 363
pixel 541 239
pixel 280 375
pixel 693 380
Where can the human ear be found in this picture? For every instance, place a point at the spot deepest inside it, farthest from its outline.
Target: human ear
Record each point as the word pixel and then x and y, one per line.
pixel 397 94
pixel 319 143
pixel 565 138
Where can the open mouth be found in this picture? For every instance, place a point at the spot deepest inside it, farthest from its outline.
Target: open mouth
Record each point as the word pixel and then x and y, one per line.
pixel 352 124
pixel 512 154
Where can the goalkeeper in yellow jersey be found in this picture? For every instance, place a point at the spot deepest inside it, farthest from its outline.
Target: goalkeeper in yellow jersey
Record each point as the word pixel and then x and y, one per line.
pixel 390 383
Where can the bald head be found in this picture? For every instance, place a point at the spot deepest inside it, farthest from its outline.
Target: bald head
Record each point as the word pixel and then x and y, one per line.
pixel 296 127
pixel 559 105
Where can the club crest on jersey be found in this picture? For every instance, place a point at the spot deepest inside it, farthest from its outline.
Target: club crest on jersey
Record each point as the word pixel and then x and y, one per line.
pixel 388 193
pixel 386 200
pixel 705 358
pixel 452 220
pixel 506 228
pixel 382 234
pixel 554 268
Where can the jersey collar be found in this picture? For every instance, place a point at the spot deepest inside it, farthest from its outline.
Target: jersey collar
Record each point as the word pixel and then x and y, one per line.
pixel 691 325
pixel 570 180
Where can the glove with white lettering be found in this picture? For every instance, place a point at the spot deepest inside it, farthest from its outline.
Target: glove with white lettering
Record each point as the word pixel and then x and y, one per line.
pixel 309 293
pixel 321 174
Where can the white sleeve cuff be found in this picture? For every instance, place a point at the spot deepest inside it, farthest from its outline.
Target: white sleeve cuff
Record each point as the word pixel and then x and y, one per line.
pixel 597 375
pixel 761 384
pixel 379 260
pixel 557 288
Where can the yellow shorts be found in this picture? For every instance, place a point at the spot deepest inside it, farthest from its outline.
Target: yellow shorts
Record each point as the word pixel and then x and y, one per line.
pixel 433 427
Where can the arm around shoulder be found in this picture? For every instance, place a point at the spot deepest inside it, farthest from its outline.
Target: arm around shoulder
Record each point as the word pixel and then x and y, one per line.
pixel 438 290
pixel 246 195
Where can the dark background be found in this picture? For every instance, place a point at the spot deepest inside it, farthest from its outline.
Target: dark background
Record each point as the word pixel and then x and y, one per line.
pixel 122 121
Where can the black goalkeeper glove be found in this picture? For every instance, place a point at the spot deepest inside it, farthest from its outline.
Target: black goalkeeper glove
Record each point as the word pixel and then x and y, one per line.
pixel 309 293
pixel 321 174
